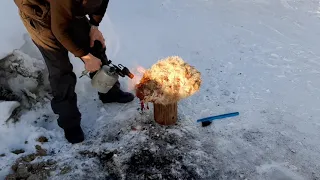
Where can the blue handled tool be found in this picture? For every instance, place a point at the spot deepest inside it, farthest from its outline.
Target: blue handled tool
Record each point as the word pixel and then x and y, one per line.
pixel 212 118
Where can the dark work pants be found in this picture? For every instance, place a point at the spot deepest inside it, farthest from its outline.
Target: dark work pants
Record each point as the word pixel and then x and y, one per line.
pixel 62 81
pixel 61 76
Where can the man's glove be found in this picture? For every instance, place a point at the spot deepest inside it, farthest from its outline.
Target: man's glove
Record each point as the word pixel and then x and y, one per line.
pixel 100 52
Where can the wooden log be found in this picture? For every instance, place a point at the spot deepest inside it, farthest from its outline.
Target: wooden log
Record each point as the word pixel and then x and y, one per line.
pixel 165 114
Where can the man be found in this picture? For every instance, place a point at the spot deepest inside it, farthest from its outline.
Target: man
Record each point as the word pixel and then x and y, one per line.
pixel 56 28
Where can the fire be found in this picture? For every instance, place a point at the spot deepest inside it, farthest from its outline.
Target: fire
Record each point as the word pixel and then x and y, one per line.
pixel 141 69
pixel 168 81
pixel 138 74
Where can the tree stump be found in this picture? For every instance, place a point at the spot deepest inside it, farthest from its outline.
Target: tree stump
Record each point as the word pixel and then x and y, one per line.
pixel 165 114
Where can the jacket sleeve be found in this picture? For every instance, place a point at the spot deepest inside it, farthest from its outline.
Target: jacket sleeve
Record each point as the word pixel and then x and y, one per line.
pixel 61 16
pixel 96 17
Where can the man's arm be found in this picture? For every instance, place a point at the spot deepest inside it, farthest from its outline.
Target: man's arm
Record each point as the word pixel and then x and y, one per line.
pixel 96 18
pixel 61 16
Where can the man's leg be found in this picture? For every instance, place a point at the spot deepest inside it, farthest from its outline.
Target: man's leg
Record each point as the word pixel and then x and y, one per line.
pixel 80 32
pixel 63 81
pixel 61 77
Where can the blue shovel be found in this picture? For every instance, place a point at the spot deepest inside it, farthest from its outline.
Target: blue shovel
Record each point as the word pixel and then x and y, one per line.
pixel 206 121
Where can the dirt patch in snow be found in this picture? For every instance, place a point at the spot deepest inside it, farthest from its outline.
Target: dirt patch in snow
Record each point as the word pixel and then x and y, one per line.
pixel 146 164
pixel 32 171
pixel 27 167
pixel 149 151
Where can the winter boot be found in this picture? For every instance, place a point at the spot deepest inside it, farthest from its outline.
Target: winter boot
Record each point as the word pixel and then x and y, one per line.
pixel 115 94
pixel 74 134
pixel 120 97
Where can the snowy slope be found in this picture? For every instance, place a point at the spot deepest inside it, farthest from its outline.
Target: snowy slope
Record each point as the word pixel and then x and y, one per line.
pixel 257 57
pixel 12 29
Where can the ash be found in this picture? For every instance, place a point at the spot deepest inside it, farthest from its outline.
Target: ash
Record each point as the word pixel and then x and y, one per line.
pixel 146 150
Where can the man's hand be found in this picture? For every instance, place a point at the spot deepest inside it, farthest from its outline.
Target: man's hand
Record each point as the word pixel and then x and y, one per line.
pixel 92 63
pixel 95 34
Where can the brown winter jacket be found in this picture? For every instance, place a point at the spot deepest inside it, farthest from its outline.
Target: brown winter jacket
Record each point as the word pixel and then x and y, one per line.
pixel 58 15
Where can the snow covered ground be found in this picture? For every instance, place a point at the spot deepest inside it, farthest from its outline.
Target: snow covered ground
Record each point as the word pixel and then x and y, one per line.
pixel 257 57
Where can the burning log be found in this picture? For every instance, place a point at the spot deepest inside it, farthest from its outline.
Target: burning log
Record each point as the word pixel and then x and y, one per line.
pixel 166 114
pixel 167 82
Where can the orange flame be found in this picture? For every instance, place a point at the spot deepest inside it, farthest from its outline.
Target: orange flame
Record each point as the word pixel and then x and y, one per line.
pixel 138 74
pixel 141 69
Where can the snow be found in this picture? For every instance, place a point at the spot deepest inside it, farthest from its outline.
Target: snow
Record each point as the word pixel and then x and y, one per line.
pixel 27 68
pixel 12 29
pixel 259 58
pixel 6 109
